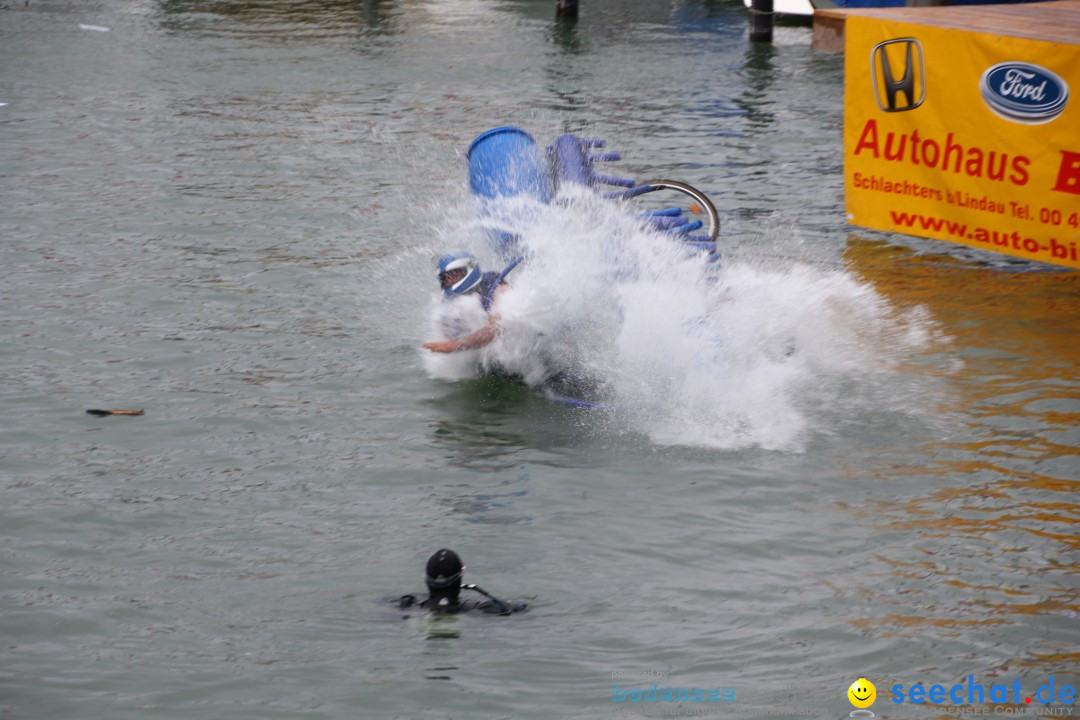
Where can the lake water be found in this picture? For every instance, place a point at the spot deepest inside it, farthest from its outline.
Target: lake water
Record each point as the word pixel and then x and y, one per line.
pixel 861 462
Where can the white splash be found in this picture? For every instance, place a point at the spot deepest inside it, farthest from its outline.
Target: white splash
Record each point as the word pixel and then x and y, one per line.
pixel 687 353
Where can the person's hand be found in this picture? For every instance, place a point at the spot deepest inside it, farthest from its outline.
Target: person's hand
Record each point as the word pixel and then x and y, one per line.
pixel 442 346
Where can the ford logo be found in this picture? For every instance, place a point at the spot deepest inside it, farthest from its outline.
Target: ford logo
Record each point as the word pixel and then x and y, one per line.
pixel 1023 92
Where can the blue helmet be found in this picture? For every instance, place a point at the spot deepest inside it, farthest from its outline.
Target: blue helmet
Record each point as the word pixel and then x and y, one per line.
pixel 459 260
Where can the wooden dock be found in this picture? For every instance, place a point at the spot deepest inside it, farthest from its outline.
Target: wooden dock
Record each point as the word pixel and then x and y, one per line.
pixel 1054 21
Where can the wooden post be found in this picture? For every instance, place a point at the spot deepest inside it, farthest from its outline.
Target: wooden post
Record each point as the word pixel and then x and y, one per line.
pixel 761 20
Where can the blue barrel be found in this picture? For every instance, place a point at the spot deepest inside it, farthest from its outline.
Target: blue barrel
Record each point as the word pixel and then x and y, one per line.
pixel 505 161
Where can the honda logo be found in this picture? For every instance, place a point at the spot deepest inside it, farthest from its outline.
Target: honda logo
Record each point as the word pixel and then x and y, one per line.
pixel 897 69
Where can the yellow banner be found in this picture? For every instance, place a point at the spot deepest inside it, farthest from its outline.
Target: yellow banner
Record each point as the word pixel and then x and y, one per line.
pixel 963 136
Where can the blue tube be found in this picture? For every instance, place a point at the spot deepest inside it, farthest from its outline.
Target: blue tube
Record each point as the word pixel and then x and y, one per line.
pixel 666 222
pixel 631 193
pixel 505 161
pixel 611 180
pixel 489 296
pixel 687 228
pixel 574 402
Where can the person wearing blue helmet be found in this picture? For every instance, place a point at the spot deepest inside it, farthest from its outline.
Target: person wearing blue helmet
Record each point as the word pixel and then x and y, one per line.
pixel 461 276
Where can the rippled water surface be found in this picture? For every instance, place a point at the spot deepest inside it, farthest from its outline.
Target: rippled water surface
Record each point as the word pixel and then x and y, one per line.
pixel 862 463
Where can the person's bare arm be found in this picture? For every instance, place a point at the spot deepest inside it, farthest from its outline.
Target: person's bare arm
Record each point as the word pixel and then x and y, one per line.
pixel 478 339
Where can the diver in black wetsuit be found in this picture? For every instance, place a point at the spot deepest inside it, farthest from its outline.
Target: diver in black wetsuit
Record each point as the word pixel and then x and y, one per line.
pixel 443 576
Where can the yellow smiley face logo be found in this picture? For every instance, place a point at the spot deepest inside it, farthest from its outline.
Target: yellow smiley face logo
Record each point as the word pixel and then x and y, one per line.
pixel 862 693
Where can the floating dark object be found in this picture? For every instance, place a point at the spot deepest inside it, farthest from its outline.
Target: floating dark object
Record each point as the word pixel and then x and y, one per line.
pixel 103 413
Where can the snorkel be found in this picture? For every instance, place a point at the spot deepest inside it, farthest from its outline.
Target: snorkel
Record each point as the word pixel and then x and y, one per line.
pixel 504 608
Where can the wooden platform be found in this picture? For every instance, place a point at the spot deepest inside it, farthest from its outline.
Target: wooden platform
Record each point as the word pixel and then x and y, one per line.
pixel 1054 21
